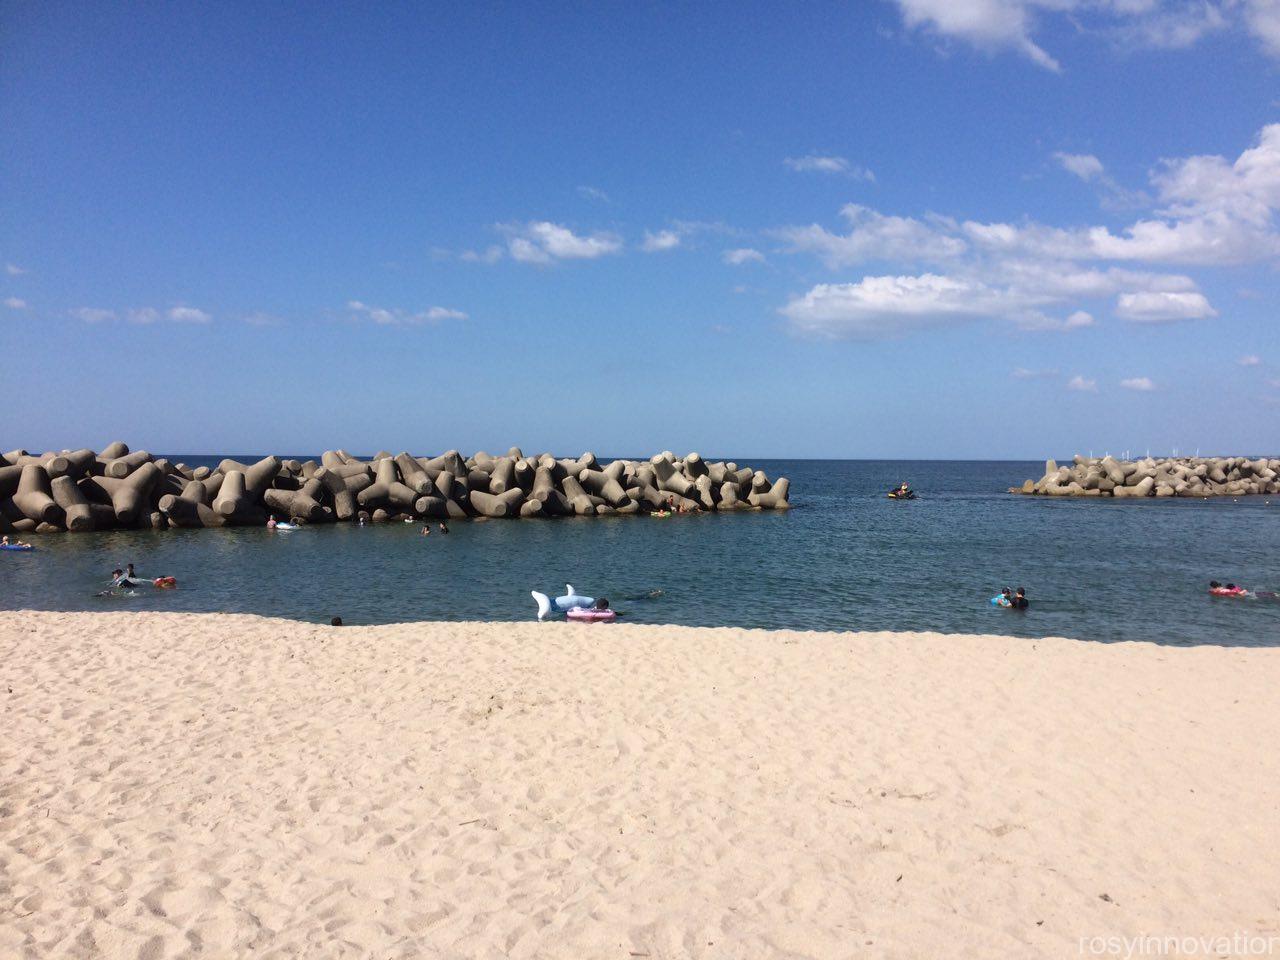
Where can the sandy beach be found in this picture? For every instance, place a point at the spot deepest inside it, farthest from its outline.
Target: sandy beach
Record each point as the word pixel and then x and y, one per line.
pixel 180 785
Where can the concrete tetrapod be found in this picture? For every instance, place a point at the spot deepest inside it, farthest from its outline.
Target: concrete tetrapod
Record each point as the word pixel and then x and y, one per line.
pixel 34 496
pixel 130 497
pixel 121 467
pixel 76 509
pixel 603 486
pixel 773 498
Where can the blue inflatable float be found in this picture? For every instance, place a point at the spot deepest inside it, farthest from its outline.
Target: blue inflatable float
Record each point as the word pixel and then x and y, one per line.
pixel 570 601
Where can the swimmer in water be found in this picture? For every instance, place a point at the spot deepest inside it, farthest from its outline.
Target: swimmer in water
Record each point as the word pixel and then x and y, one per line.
pixel 121 588
pixel 444 527
pixel 1020 601
pixel 1230 590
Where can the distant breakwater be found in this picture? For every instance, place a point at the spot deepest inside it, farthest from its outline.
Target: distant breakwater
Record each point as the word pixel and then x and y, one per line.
pixel 1156 477
pixel 80 490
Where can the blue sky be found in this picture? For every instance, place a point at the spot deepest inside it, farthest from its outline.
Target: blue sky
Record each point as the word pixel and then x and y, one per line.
pixel 972 228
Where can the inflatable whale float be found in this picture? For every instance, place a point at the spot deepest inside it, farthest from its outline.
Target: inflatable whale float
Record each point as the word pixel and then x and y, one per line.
pixel 570 601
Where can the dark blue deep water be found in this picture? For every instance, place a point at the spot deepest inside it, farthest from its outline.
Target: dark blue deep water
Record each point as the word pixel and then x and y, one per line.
pixel 844 558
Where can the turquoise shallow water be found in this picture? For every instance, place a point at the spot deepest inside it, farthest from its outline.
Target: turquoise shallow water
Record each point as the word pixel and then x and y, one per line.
pixel 845 558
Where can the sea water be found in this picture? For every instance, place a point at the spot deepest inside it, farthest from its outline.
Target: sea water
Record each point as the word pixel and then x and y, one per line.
pixel 844 558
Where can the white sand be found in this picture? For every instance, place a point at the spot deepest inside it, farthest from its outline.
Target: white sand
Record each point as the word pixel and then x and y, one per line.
pixel 232 786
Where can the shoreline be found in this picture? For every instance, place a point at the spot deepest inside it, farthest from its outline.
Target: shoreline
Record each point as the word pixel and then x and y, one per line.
pixel 269 787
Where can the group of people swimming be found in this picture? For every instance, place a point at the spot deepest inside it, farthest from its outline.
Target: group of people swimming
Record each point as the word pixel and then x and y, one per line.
pixel 7 543
pixel 1011 599
pixel 1217 589
pixel 426 527
pixel 124 581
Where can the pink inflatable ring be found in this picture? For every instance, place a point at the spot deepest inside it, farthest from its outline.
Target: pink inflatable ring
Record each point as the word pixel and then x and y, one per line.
pixel 590 614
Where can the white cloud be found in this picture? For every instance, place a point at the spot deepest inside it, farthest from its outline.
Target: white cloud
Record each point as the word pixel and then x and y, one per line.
pixel 188 315
pixel 987 24
pixel 875 236
pixel 444 313
pixel 397 317
pixel 1175 28
pixel 994 25
pixel 143 316
pixel 593 193
pixel 14 303
pixel 1249 360
pixel 1263 18
pixel 1138 383
pixel 1039 321
pixel 491 254
pixel 1210 210
pixel 13 270
pixel 93 314
pixel 887 306
pixel 1022 373
pixel 1158 307
pixel 742 255
pixel 524 250
pixel 543 242
pixel 662 240
pixel 1083 165
pixel 813 163
pixel 1081 384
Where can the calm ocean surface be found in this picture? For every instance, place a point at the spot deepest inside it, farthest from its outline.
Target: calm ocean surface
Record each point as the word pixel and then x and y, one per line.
pixel 844 558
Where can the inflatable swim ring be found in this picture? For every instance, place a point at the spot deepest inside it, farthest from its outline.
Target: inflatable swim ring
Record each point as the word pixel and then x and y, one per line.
pixel 285 526
pixel 661 513
pixel 1224 592
pixel 17 546
pixel 591 615
pixel 165 583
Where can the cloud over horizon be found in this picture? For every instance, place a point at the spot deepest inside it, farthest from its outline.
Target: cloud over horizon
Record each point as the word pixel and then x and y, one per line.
pixel 396 317
pixel 143 316
pixel 992 26
pixel 1210 211
pixel 817 163
pixel 544 242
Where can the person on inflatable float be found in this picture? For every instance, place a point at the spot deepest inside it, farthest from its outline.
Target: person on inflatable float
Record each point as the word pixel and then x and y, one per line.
pixel 1230 590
